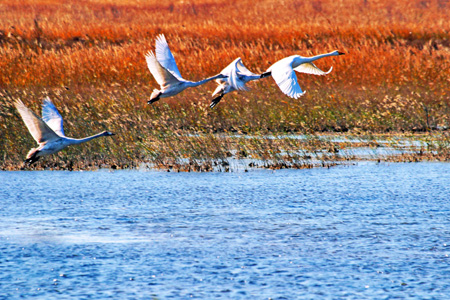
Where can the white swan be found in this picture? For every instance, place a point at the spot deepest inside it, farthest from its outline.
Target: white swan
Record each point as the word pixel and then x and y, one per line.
pixel 165 71
pixel 283 71
pixel 237 75
pixel 48 131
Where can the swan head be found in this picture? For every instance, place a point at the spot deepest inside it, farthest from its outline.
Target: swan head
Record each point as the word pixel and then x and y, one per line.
pixel 107 133
pixel 337 53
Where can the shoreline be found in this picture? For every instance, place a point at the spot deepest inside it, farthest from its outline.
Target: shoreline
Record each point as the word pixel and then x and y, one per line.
pixel 280 151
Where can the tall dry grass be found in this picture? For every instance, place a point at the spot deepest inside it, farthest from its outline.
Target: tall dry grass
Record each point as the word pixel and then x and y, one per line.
pixel 89 57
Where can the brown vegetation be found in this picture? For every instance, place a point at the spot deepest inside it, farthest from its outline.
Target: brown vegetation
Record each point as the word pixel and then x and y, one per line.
pixel 88 57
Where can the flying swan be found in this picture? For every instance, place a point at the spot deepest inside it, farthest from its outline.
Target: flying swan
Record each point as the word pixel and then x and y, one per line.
pixel 165 71
pixel 283 72
pixel 237 75
pixel 48 131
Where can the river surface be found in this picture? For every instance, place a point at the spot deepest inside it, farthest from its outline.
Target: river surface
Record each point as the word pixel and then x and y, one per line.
pixel 369 231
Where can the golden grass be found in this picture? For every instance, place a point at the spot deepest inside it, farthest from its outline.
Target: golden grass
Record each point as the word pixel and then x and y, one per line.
pixel 55 43
pixel 88 56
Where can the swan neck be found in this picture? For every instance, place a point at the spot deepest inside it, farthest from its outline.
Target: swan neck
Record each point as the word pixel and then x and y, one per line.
pixel 313 58
pixel 72 141
pixel 197 83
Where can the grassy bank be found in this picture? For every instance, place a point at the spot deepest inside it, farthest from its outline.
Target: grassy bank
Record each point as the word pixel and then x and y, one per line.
pixel 89 59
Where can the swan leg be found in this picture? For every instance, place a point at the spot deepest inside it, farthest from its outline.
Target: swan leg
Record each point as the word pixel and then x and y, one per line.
pixel 216 100
pixel 31 158
pixel 154 98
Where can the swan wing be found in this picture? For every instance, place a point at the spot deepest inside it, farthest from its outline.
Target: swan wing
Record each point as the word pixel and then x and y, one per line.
pixel 310 68
pixel 245 75
pixel 286 79
pixel 243 69
pixel 162 76
pixel 234 79
pixel 165 57
pixel 40 131
pixel 232 67
pixel 51 116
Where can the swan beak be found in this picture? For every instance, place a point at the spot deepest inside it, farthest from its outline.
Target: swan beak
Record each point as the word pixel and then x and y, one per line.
pixel 341 53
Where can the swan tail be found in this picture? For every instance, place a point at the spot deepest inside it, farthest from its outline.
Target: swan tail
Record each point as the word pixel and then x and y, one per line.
pixel 220 88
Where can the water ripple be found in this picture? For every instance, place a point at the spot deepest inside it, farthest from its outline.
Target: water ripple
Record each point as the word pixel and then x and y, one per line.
pixel 372 231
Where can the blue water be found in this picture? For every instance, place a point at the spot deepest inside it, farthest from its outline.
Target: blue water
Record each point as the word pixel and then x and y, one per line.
pixel 370 231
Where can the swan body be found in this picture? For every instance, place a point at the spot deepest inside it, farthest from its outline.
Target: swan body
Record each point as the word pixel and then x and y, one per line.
pixel 283 72
pixel 48 131
pixel 236 76
pixel 164 69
